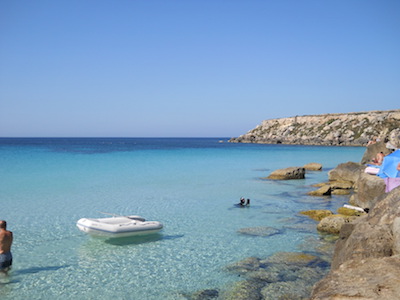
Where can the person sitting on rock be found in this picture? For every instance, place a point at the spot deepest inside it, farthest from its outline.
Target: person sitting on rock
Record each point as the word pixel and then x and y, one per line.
pixel 378 159
pixel 373 141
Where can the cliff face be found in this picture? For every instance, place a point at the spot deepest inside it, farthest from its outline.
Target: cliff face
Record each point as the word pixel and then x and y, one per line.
pixel 349 129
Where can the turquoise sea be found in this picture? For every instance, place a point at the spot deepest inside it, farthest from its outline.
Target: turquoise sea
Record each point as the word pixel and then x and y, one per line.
pixel 188 184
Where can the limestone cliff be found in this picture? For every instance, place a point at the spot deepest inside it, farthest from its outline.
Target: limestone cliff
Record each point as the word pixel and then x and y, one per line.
pixel 347 129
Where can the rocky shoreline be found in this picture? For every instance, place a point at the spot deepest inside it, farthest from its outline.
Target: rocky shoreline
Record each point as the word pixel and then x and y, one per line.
pixel 366 257
pixel 347 129
pixel 357 255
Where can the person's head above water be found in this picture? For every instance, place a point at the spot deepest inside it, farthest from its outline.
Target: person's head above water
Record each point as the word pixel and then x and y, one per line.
pixel 3 224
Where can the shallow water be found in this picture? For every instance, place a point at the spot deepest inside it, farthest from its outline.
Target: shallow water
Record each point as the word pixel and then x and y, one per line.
pixel 190 185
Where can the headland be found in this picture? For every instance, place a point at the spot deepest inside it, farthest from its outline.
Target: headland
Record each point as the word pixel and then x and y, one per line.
pixel 346 129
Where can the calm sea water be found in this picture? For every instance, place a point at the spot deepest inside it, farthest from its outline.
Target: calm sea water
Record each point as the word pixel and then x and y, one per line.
pixel 190 185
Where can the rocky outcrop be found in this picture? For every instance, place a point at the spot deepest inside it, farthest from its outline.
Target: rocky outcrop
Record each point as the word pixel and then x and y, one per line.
pixel 372 150
pixel 366 261
pixel 349 129
pixel 370 189
pixel 288 173
pixel 367 280
pixel 349 172
pixel 313 167
pixel 325 190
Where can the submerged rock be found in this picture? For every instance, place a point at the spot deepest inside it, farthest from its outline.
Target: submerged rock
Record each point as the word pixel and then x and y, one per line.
pixel 291 258
pixel 292 290
pixel 205 295
pixel 259 231
pixel 244 266
pixel 276 277
pixel 244 290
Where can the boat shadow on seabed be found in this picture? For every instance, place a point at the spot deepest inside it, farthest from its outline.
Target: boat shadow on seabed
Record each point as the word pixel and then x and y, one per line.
pixel 135 240
pixel 141 239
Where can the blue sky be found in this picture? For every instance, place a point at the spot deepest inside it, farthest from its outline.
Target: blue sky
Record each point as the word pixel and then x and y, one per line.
pixel 182 68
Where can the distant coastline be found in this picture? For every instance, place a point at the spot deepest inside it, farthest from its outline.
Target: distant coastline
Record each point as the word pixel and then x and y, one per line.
pixel 347 129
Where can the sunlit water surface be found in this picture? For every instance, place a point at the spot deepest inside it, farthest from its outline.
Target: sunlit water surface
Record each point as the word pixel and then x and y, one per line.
pixel 190 185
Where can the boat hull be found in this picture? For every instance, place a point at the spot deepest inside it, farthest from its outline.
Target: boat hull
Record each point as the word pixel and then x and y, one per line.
pixel 118 227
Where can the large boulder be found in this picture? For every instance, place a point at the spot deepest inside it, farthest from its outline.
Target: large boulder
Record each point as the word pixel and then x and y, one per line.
pixel 288 173
pixel 370 189
pixel 364 241
pixel 332 224
pixel 349 171
pixel 372 150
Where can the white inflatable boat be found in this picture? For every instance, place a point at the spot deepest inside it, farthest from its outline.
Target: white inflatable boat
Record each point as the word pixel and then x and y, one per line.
pixel 120 226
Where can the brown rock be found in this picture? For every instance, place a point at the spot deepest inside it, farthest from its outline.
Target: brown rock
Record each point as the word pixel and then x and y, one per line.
pixel 313 167
pixel 320 184
pixel 317 214
pixel 368 279
pixel 322 191
pixel 340 192
pixel 350 212
pixel 288 173
pixel 349 171
pixel 369 189
pixel 341 185
pixel 333 224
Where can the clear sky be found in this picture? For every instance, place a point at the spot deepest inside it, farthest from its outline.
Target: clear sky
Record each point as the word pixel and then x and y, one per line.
pixel 191 68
